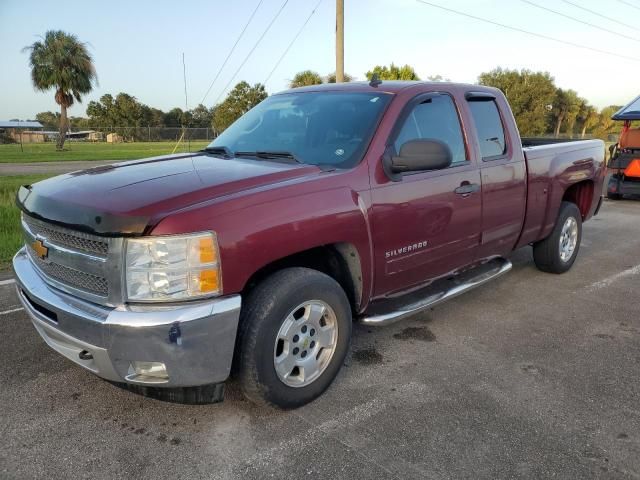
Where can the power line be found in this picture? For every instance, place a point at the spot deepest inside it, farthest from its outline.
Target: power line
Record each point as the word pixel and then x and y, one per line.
pixel 252 50
pixel 599 14
pixel 581 21
pixel 232 49
pixel 624 2
pixel 292 42
pixel 539 35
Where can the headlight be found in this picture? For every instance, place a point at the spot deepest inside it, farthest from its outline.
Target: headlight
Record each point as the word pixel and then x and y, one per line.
pixel 175 267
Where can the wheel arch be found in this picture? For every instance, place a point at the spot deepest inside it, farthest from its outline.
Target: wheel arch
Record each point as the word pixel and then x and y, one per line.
pixel 341 261
pixel 580 194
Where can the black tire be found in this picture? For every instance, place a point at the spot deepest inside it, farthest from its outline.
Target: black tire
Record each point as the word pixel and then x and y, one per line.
pixel 614 196
pixel 263 313
pixel 546 253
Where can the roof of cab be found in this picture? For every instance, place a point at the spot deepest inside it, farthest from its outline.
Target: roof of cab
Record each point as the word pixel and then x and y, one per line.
pixel 387 86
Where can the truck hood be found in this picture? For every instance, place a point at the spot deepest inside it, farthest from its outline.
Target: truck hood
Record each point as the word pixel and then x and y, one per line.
pixel 126 198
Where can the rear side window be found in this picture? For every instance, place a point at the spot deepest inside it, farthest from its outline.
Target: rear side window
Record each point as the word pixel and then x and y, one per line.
pixel 435 118
pixel 489 126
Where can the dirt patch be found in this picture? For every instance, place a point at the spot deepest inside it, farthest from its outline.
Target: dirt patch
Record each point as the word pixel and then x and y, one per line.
pixel 367 356
pixel 415 333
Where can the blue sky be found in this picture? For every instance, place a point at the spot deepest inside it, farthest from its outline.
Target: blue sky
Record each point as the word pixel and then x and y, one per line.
pixel 138 45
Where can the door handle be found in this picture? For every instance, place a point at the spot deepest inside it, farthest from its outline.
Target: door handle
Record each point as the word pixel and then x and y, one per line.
pixel 467 188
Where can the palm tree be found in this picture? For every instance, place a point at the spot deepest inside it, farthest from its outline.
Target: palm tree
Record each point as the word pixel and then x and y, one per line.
pixel 305 78
pixel 331 78
pixel 62 62
pixel 589 117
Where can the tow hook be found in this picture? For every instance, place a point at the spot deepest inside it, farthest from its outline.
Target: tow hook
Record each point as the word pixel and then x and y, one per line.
pixel 85 355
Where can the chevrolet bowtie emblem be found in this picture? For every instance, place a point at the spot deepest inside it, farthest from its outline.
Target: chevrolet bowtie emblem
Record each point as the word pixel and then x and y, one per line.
pixel 40 249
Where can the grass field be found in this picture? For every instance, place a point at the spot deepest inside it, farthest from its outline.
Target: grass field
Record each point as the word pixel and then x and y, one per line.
pixel 10 236
pixel 46 152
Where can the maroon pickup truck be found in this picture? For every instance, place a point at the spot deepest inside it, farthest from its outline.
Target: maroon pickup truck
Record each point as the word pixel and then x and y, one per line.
pixel 320 206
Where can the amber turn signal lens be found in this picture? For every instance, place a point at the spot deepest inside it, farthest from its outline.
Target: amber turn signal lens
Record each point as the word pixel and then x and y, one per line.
pixel 207 250
pixel 209 281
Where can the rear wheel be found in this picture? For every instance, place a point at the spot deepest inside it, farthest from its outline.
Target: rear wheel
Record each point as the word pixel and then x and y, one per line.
pixel 557 252
pixel 294 335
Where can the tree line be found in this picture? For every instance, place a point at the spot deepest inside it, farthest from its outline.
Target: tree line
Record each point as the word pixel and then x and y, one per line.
pixel 542 108
pixel 61 62
pixel 539 106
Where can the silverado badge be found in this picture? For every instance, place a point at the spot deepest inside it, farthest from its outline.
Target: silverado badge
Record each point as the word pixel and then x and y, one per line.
pixel 40 249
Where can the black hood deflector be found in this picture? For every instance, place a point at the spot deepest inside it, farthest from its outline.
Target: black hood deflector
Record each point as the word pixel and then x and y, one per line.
pixel 78 217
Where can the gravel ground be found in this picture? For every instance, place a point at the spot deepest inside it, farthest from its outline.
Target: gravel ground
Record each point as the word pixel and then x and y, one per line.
pixel 530 376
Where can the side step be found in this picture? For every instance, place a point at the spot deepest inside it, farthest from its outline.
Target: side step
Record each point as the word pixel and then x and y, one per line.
pixel 390 310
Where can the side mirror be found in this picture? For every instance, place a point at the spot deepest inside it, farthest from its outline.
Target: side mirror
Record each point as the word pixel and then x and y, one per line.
pixel 416 155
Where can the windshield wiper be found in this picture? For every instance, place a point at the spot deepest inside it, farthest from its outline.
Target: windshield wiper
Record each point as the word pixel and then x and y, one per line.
pixel 270 155
pixel 219 151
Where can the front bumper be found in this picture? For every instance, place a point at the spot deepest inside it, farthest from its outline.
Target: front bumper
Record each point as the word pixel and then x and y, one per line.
pixel 194 341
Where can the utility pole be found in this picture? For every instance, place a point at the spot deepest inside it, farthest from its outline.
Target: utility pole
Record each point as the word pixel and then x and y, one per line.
pixel 339 41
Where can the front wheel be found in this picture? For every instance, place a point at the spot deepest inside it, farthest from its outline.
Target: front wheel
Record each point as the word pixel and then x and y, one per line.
pixel 294 334
pixel 557 252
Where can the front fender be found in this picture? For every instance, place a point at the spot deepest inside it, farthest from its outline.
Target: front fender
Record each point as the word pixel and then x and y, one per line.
pixel 254 234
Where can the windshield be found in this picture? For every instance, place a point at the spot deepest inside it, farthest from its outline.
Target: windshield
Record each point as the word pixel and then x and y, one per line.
pixel 319 128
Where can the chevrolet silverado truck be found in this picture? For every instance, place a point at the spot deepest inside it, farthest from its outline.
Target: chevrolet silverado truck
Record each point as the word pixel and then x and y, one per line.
pixel 321 206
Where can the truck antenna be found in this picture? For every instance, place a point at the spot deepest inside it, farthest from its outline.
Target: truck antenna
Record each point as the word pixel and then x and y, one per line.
pixel 375 80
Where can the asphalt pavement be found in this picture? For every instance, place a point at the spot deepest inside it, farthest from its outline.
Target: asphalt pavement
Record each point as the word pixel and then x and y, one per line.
pixel 530 376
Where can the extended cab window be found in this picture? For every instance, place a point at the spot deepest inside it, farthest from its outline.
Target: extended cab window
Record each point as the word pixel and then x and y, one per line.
pixel 489 126
pixel 435 118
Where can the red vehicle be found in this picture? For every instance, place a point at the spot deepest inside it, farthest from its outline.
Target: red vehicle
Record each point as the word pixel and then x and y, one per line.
pixel 625 155
pixel 321 205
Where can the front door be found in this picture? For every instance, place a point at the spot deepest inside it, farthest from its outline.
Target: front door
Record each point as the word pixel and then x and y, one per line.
pixel 425 225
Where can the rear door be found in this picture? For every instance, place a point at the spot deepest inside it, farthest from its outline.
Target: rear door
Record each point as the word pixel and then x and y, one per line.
pixel 503 171
pixel 424 225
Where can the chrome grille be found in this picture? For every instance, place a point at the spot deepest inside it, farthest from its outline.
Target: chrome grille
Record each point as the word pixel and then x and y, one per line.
pixel 68 238
pixel 81 264
pixel 75 278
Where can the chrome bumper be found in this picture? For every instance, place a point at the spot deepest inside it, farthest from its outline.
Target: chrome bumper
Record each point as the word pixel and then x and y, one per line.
pixel 195 341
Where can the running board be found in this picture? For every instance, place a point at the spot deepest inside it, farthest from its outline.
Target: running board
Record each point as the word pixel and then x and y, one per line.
pixel 390 310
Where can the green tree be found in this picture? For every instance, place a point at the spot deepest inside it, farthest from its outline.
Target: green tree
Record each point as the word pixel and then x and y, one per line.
pixel 201 116
pixel 124 112
pixel 174 117
pixel 566 106
pixel 588 117
pixel 393 72
pixel 101 113
pixel 331 78
pixel 152 117
pixel 62 62
pixel 240 100
pixel 49 120
pixel 79 123
pixel 305 78
pixel 606 126
pixel 529 93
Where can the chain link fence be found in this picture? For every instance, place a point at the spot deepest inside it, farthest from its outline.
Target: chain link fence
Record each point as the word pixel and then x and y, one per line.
pixel 141 134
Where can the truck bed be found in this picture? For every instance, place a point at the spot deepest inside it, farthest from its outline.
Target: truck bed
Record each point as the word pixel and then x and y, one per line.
pixel 540 141
pixel 553 167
